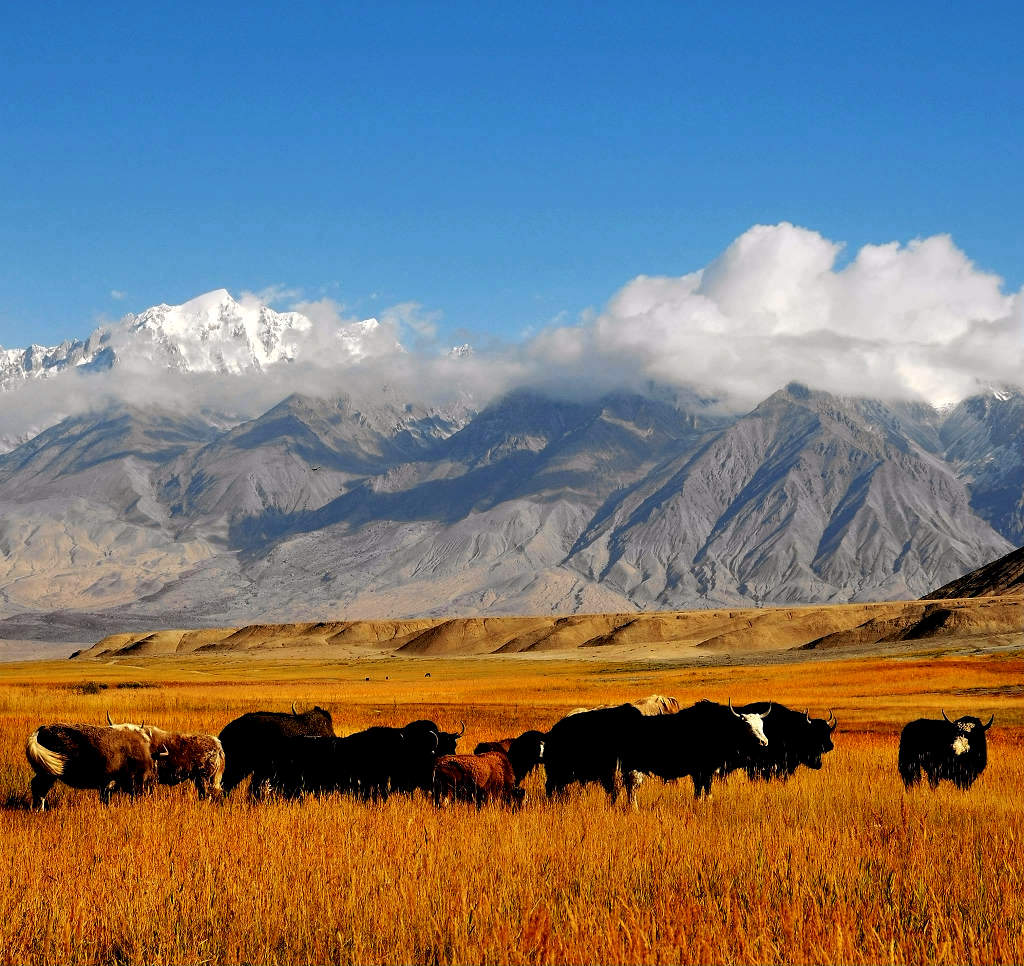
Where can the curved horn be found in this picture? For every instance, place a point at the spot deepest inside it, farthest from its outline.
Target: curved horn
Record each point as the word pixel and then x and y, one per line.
pixel 733 710
pixel 989 725
pixel 109 722
pixel 944 715
pixel 807 714
pixel 293 709
pixel 832 721
pixel 768 712
pixel 463 731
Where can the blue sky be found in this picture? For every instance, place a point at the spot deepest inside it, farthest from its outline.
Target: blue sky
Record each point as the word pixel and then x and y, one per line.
pixel 500 164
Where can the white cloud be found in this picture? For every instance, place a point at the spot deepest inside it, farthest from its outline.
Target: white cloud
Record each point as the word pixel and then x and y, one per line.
pixel 412 316
pixel 118 295
pixel 269 295
pixel 914 320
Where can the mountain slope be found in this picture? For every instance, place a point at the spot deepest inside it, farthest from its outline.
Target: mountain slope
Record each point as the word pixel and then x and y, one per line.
pixel 1002 577
pixel 983 438
pixel 324 508
pixel 808 497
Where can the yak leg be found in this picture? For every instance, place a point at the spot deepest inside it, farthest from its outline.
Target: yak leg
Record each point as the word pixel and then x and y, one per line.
pixel 630 781
pixel 41 785
pixel 910 771
pixel 610 783
pixel 555 789
pixel 233 777
pixel 206 788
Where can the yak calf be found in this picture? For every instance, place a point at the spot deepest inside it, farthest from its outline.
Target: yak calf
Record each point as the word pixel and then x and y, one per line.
pixel 476 778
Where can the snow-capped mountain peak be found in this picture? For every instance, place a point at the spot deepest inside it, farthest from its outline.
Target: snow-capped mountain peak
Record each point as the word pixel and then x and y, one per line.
pixel 213 333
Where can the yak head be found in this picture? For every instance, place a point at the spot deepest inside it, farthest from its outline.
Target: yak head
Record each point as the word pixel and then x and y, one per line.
pixel 317 720
pixel 966 730
pixel 526 752
pixel 755 722
pixel 442 742
pixel 446 740
pixel 142 729
pixel 818 738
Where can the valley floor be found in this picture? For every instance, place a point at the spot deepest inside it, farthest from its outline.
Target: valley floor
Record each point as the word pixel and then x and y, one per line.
pixel 838 865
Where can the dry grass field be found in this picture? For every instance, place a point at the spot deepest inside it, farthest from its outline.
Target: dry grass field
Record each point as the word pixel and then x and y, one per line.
pixel 840 865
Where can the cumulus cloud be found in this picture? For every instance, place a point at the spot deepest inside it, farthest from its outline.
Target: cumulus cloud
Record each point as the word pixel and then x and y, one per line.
pixel 918 320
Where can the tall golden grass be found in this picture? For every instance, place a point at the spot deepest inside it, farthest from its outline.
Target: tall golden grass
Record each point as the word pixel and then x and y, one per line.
pixel 840 865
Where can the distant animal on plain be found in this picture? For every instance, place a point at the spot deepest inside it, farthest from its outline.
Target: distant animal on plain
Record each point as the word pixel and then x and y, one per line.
pixel 84 756
pixel 794 739
pixel 955 751
pixel 253 743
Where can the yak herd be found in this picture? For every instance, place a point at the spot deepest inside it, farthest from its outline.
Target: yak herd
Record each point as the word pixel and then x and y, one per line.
pixel 297 753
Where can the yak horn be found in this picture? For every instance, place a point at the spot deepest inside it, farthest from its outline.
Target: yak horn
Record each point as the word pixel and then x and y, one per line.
pixel 463 731
pixel 832 722
pixel 733 710
pixel 807 714
pixel 293 709
pixel 109 722
pixel 989 725
pixel 769 711
pixel 944 715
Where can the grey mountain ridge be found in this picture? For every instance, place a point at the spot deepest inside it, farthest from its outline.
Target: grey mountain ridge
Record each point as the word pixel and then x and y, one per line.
pixel 327 508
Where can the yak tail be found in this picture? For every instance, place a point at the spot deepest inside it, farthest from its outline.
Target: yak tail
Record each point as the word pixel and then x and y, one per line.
pixel 42 759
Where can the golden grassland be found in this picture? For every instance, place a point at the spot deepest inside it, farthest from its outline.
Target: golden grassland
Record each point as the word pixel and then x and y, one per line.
pixel 840 865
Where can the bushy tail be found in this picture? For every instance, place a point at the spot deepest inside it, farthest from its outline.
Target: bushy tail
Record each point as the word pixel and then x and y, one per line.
pixel 42 759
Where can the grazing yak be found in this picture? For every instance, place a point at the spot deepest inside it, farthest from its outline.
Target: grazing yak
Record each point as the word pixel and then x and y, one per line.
pixel 181 757
pixel 609 745
pixel 702 741
pixel 476 778
pixel 84 756
pixel 253 744
pixel 794 739
pixel 956 751
pixel 372 763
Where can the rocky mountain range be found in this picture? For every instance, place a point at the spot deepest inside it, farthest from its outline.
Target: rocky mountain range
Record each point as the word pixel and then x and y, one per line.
pixel 378 506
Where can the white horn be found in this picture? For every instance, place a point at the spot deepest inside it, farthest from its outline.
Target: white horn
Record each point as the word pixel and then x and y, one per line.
pixel 733 710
